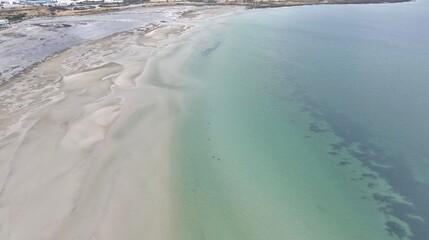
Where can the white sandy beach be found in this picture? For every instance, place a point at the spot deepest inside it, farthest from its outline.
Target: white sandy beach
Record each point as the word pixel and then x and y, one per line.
pixel 86 138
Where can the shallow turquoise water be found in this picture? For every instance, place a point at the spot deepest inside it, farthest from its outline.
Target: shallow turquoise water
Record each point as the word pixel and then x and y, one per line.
pixel 307 123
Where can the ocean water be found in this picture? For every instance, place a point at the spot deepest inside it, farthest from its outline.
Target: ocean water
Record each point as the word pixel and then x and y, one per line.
pixel 307 123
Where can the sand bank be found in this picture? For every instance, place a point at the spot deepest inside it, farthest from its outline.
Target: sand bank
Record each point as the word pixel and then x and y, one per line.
pixel 86 139
pixel 34 40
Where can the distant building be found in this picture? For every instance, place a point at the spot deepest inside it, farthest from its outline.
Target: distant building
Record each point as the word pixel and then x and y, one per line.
pixel 4 23
pixel 164 1
pixel 113 1
pixel 9 2
pixel 66 2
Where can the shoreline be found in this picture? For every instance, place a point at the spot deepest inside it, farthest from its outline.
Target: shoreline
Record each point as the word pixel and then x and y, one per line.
pixel 54 35
pixel 328 2
pixel 96 121
pixel 168 5
pixel 39 11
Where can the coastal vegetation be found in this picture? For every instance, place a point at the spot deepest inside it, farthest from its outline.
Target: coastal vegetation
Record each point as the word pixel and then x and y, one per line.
pixel 16 17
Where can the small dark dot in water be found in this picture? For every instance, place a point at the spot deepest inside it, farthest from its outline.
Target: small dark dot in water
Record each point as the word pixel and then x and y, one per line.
pixel 371 185
pixel 307 136
pixel 369 175
pixel 363 198
pixel 208 139
pixel 333 153
pixel 218 159
pixel 213 156
pixel 344 163
pixel 360 178
pixel 314 128
pixel 353 179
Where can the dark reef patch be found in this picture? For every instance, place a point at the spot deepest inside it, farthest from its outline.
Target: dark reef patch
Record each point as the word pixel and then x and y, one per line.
pixel 394 229
pixel 369 175
pixel 394 169
pixel 333 153
pixel 315 128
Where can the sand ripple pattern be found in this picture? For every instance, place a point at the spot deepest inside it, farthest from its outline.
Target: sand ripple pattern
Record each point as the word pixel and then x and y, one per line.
pixel 85 140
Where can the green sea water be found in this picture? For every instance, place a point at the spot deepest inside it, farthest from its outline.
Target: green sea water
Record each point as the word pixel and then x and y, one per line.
pixel 306 123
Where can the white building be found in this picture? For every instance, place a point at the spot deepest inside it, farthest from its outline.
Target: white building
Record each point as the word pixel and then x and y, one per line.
pixel 65 2
pixel 9 2
pixel 113 1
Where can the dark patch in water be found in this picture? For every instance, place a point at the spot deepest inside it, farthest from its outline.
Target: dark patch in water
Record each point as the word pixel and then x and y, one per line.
pixel 393 169
pixel 338 146
pixel 206 53
pixel 369 175
pixel 344 163
pixel 333 153
pixel 394 229
pixel 400 177
pixel 314 128
pixel 382 198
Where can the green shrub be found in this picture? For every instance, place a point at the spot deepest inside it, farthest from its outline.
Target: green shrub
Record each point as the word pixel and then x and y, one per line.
pixel 17 17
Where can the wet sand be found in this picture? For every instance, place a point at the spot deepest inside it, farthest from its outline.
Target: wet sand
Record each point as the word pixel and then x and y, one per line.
pixel 34 40
pixel 86 139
